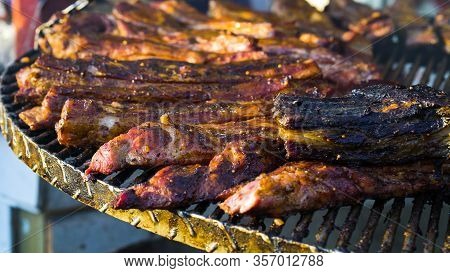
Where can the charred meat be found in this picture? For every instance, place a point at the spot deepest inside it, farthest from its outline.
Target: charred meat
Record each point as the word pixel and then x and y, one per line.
pixel 377 124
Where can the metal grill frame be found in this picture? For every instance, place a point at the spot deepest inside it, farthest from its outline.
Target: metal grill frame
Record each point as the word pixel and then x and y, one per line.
pixel 204 226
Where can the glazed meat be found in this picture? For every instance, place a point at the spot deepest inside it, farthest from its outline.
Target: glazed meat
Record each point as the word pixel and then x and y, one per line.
pixel 360 19
pixel 65 41
pixel 107 120
pixel 180 11
pixel 46 115
pixel 110 120
pixel 305 186
pixel 377 124
pixel 137 20
pixel 35 81
pixel 163 71
pixel 301 12
pixel 178 186
pixel 196 20
pixel 347 72
pixel 160 144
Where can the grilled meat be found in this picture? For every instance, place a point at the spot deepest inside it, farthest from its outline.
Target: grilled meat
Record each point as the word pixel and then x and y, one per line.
pixel 152 70
pixel 226 10
pixel 418 31
pixel 306 186
pixel 158 144
pixel 442 22
pixel 46 115
pixel 144 15
pixel 48 71
pixel 140 21
pixel 177 186
pixel 256 30
pixel 180 11
pixel 301 11
pixel 346 72
pixel 184 13
pixel 377 124
pixel 211 41
pixel 360 19
pixel 107 120
pixel 110 120
pixel 65 41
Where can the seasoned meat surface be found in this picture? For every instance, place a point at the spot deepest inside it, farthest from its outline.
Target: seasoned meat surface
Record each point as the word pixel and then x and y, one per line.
pixel 177 186
pixel 305 186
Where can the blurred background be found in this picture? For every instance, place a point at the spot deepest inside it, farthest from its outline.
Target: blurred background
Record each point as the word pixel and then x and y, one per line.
pixel 34 217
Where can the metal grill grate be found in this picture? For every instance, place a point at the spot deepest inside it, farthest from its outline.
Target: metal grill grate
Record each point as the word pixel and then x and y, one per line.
pixel 402 224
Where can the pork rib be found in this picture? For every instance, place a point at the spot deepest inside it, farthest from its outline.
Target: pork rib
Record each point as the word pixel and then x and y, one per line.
pixel 177 186
pixel 375 125
pixel 110 120
pixel 158 144
pixel 305 186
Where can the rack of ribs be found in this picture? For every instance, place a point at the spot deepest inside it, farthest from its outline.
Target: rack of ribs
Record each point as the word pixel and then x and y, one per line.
pixel 159 144
pixel 142 21
pixel 377 124
pixel 110 120
pixel 306 186
pixel 178 186
pixel 47 71
pixel 46 115
pixel 74 130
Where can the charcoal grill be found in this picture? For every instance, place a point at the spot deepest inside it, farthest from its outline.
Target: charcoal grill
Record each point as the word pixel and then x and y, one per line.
pixel 402 224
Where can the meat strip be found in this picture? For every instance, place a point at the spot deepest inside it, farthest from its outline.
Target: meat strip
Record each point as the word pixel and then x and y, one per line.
pixel 306 186
pixel 178 186
pixel 110 120
pixel 159 144
pixel 377 124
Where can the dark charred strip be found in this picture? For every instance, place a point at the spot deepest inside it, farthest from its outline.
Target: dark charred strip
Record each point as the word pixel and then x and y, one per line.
pixel 153 70
pixel 376 125
pixel 177 186
pixel 306 186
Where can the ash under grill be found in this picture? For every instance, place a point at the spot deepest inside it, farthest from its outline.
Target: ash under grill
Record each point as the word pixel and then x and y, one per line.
pixel 401 224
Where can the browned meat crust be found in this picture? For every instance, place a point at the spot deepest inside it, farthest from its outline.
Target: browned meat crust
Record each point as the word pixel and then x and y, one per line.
pixel 177 186
pixel 35 81
pixel 110 120
pixel 65 41
pixel 153 144
pixel 46 115
pixel 305 186
pixel 360 19
pixel 137 20
pixel 345 71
